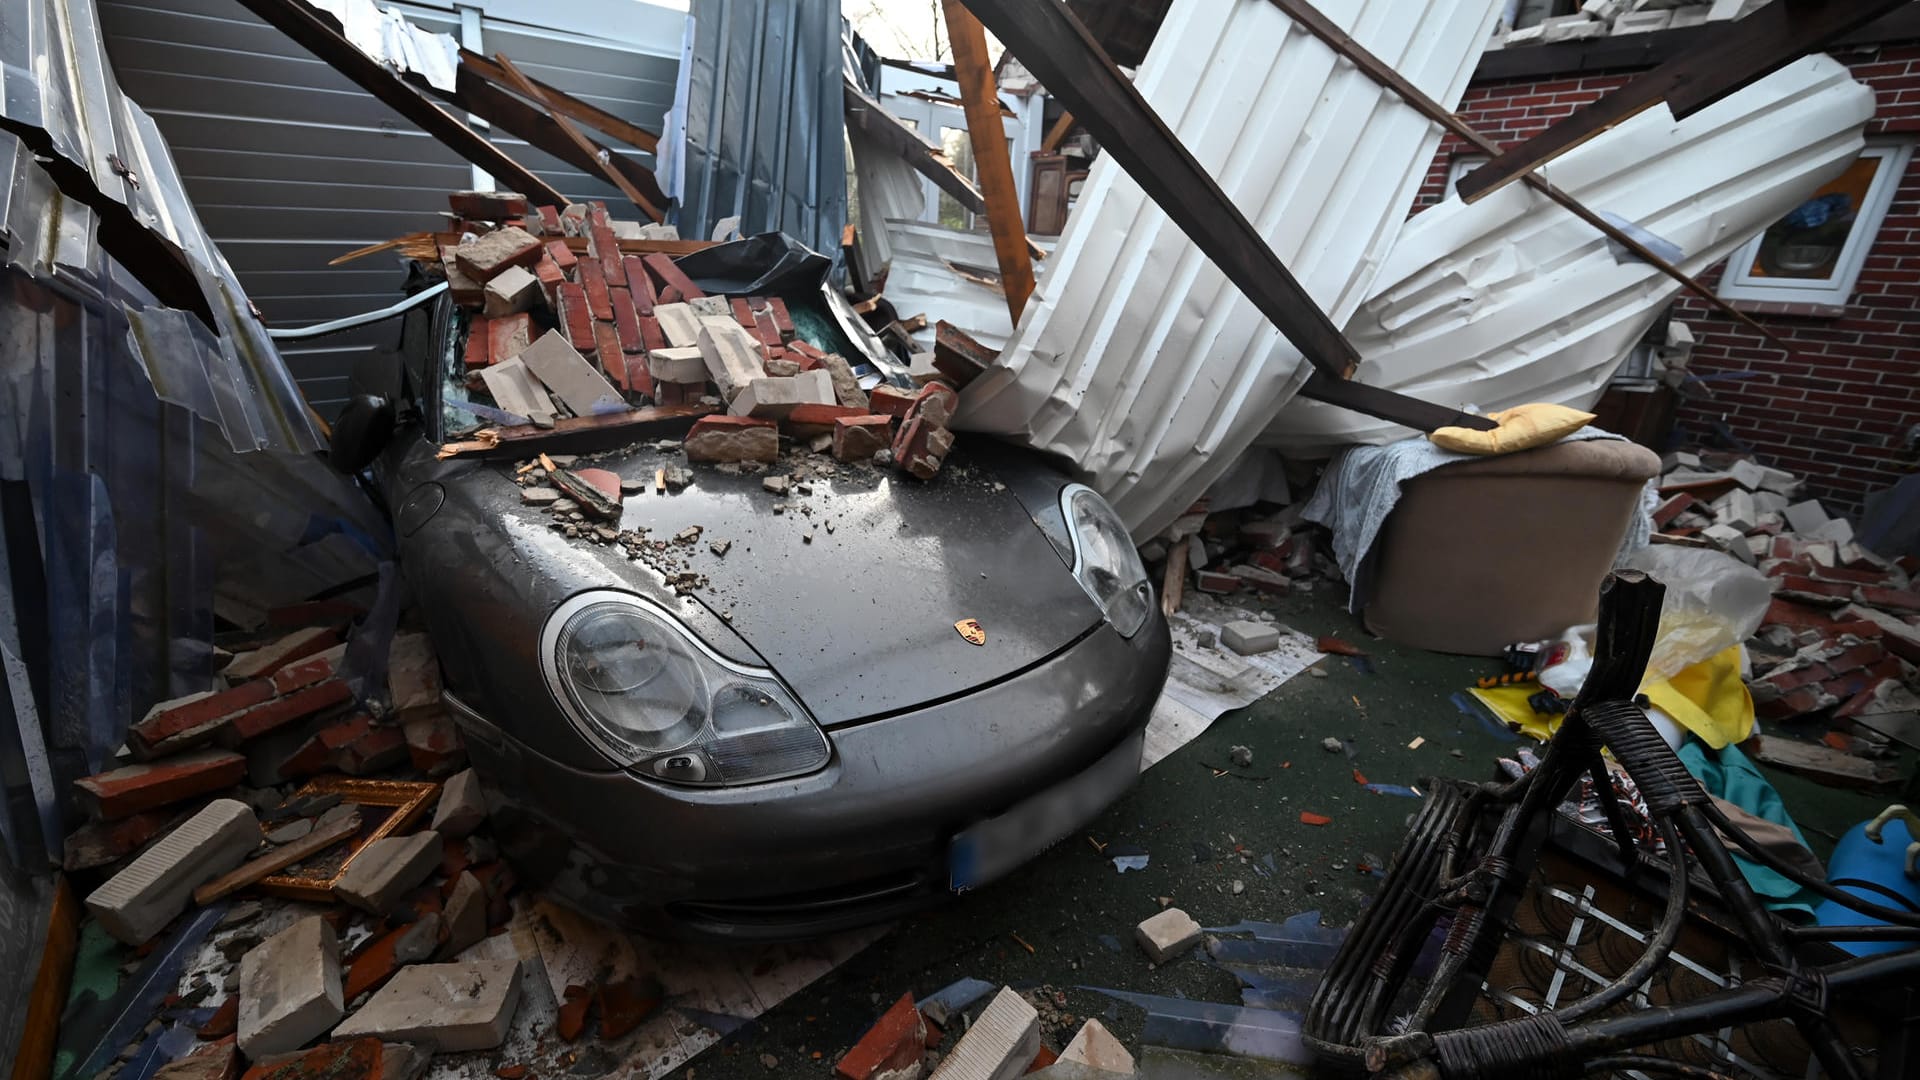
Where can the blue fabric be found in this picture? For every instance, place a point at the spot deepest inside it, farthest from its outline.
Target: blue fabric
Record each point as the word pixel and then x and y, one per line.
pixel 1731 775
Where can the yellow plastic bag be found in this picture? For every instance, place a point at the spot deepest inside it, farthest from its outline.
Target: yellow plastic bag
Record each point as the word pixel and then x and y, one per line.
pixel 1521 428
pixel 1709 699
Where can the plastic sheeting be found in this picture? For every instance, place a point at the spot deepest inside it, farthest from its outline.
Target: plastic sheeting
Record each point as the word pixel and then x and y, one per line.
pixel 1136 359
pixel 1513 299
pixel 388 37
pixel 156 473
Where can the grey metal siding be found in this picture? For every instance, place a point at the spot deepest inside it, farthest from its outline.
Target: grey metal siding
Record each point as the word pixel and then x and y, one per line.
pixel 290 165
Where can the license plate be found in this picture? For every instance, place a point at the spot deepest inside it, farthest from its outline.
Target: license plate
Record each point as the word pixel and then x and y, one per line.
pixel 992 848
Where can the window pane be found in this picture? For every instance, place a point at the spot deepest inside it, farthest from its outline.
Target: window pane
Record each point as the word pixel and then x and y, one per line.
pixel 959 150
pixel 1807 243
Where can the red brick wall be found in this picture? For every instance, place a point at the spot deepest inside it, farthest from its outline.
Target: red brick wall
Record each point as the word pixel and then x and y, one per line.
pixel 1842 409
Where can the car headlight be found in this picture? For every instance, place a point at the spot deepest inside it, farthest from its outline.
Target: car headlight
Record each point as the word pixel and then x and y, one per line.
pixel 1105 560
pixel 654 698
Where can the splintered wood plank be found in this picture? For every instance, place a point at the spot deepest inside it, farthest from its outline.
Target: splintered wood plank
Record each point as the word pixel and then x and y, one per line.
pixel 992 165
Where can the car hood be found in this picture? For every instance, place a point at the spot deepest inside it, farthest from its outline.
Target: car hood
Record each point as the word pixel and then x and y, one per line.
pixel 850 585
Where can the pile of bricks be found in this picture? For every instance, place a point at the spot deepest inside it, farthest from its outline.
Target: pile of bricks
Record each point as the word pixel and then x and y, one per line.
pixel 555 332
pixel 1841 638
pixel 1009 1036
pixel 221 792
pixel 1239 552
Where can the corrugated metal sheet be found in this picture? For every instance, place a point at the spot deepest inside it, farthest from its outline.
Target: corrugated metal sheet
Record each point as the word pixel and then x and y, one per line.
pixel 1136 359
pixel 290 164
pixel 765 134
pixel 153 471
pixel 940 272
pixel 1512 299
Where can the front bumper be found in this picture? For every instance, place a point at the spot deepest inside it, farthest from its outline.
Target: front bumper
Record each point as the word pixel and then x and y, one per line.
pixel 863 840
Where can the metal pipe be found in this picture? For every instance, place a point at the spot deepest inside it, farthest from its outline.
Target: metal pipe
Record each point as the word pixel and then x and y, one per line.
pixel 366 318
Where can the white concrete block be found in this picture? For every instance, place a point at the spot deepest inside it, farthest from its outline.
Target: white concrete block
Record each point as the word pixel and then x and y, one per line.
pixel 733 358
pixel 1806 517
pixel 450 1007
pixel 1000 1044
pixel 1094 1046
pixel 1736 509
pixel 678 365
pixel 772 399
pixel 139 901
pixel 572 380
pixel 1167 935
pixel 290 989
pixel 516 390
pixel 680 325
pixel 462 808
pixel 381 872
pixel 511 290
pixel 1247 638
pixel 1838 530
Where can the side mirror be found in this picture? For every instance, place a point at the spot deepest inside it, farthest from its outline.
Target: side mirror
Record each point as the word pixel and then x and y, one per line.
pixel 363 430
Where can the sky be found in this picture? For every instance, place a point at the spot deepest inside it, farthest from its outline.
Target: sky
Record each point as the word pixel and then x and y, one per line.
pixel 905 29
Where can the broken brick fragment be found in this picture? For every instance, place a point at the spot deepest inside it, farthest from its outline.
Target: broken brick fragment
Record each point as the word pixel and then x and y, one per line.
pixel 478 353
pixel 100 843
pixel 281 711
pixel 732 439
pixel 551 276
pixel 810 419
pixel 890 401
pixel 670 277
pixel 742 312
pixel 351 1059
pixel 1898 601
pixel 433 743
pixel 858 438
pixel 1043 1058
pixel 1783 612
pixel 1217 583
pixel 921 448
pixel 490 205
pixel 224 1020
pixel 550 220
pixel 1308 817
pixel 562 255
pixel 589 495
pixel 782 319
pixel 218 1060
pixel 487 255
pixel 359 747
pixel 123 792
pixel 305 673
pixel 958 356
pixel 267 659
pixel 892 1046
pixel 571 1023
pixel 175 719
pixel 624 1004
pixel 508 336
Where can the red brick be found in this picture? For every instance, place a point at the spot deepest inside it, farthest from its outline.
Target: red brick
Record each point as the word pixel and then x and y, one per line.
pixel 508 335
pixel 782 319
pixel 812 419
pixel 487 205
pixel 766 332
pixel 123 792
pixel 1862 699
pixel 100 843
pixel 575 319
pixel 651 335
pixel 1798 616
pixel 1042 1059
pixel 1213 581
pixel 605 248
pixel 309 759
pixel 550 220
pixel 624 1004
pixel 1808 591
pixel 1899 601
pixel 858 438
pixel 357 746
pixel 1856 657
pixel 562 255
pixel 298 705
pixel 571 1023
pixel 613 359
pixel 1671 509
pixel 199 713
pixel 359 1059
pixel 670 277
pixel 890 401
pixel 639 283
pixel 224 1020
pixel 667 393
pixel 626 321
pixel 594 280
pixel 742 312
pixel 434 744
pixel 671 295
pixel 374 964
pixel 477 354
pixel 1807 699
pixel 305 673
pixel 1788 681
pixel 1851 577
pixel 894 1043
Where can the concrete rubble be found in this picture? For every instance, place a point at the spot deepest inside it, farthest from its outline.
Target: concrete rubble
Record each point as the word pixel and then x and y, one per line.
pixel 1168 935
pixel 290 989
pixel 450 1007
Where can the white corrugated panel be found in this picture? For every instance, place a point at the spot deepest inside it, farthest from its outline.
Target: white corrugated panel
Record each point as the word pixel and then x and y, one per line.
pixel 1513 299
pixel 939 272
pixel 1136 359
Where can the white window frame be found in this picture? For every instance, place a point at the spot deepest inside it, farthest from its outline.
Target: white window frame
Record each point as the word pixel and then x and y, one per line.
pixel 1739 282
pixel 1459 166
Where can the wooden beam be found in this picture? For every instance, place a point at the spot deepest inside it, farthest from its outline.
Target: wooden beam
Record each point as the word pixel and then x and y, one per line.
pixel 1389 405
pixel 1064 57
pixel 1303 13
pixel 598 119
pixel 600 156
pixel 1173 581
pixel 318 36
pixel 1741 53
pixel 991 163
pixel 475 95
pixel 873 119
pixel 1057 134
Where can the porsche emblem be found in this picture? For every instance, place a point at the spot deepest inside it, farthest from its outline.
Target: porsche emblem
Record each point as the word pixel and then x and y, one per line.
pixel 972 631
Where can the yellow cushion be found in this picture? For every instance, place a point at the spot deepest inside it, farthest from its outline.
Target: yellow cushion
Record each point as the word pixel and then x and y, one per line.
pixel 1522 427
